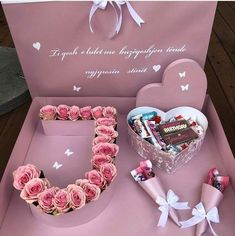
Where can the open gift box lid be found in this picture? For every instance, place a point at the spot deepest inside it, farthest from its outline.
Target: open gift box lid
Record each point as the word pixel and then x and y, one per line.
pixel 60 56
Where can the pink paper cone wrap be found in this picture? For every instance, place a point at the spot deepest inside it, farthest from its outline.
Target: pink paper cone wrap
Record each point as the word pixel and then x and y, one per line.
pixel 210 198
pixel 153 188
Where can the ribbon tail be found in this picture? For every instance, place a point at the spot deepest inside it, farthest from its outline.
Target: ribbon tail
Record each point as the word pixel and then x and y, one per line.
pixel 191 222
pixel 164 216
pixel 212 230
pixel 134 14
pixel 181 205
pixel 118 18
pixel 92 12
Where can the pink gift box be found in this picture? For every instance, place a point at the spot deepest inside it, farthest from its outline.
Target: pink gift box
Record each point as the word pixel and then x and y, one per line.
pixel 121 213
pixel 39 27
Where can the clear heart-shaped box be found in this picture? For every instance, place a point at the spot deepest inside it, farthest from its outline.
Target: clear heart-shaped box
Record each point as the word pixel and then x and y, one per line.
pixel 166 161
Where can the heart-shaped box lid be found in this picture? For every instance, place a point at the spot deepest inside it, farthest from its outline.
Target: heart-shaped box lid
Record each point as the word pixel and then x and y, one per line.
pixel 184 83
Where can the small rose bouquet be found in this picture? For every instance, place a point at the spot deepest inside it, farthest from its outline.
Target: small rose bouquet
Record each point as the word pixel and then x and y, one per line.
pixel 36 189
pixel 168 201
pixel 206 211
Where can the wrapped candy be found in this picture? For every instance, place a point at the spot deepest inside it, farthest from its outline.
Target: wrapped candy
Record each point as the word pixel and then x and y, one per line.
pixel 206 211
pixel 171 136
pixel 168 202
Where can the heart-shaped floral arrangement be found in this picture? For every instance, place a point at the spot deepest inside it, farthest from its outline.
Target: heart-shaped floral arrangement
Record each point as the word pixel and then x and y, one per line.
pixel 36 189
pixel 170 139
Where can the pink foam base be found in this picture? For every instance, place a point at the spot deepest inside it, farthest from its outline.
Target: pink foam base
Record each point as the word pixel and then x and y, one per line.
pixel 131 211
pixel 68 128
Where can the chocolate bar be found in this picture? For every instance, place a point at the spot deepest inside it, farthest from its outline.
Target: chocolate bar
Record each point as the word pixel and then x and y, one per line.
pixel 182 136
pixel 172 127
pixel 145 116
pixel 140 129
pixel 150 128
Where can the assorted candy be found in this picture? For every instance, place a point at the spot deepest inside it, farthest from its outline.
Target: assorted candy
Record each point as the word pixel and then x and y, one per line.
pixel 143 172
pixel 216 180
pixel 171 136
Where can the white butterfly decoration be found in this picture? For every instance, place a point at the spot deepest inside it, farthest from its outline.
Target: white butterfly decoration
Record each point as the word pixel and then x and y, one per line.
pixel 182 74
pixel 184 87
pixel 77 89
pixel 68 152
pixel 56 165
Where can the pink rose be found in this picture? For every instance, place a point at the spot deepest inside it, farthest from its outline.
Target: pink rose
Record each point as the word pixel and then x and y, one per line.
pixel 106 121
pixel 109 171
pixel 95 177
pixel 109 149
pixel 74 113
pixel 63 112
pixel 97 112
pixel 45 199
pixel 32 189
pixel 77 195
pixel 102 139
pixel 98 160
pixel 48 112
pixel 85 113
pixel 92 191
pixel 61 201
pixel 109 112
pixel 23 174
pixel 81 182
pixel 106 130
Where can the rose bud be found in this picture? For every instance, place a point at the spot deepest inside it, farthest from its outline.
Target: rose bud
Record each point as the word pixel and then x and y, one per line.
pixel 106 130
pixel 62 201
pixel 45 199
pixel 92 191
pixel 81 182
pixel 109 171
pixel 77 195
pixel 109 149
pixel 23 174
pixel 109 112
pixel 106 121
pixel 74 113
pixel 97 112
pixel 98 160
pixel 102 139
pixel 63 112
pixel 33 188
pixel 85 113
pixel 95 177
pixel 48 112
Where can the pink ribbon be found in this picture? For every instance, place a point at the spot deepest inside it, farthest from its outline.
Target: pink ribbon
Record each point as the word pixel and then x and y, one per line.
pixel 118 12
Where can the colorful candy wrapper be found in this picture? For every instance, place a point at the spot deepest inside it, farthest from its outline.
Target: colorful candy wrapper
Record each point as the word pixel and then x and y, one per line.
pixel 206 212
pixel 171 136
pixel 168 202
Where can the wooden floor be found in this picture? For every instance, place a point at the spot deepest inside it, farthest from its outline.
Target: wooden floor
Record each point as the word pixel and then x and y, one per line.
pixel 220 70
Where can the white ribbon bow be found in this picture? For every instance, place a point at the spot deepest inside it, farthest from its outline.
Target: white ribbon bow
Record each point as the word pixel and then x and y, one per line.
pixel 165 205
pixel 102 5
pixel 199 214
